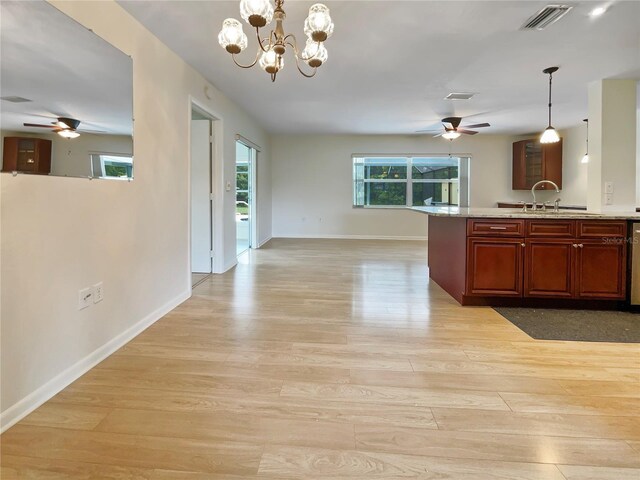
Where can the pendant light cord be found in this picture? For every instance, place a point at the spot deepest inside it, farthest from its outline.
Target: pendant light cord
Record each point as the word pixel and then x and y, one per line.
pixel 550 76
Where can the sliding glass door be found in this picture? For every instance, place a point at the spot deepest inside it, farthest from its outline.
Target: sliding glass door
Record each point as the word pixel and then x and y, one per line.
pixel 245 157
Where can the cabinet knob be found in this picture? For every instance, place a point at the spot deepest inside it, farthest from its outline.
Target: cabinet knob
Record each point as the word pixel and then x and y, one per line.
pixel 575 245
pixel 580 245
pixel 523 244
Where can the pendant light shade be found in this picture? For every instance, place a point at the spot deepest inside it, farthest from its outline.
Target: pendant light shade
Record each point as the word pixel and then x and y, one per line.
pixel 550 135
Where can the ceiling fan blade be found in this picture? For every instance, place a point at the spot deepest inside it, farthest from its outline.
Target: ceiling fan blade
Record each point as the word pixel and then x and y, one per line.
pixel 466 132
pixel 478 125
pixel 38 125
pixel 448 126
pixel 438 135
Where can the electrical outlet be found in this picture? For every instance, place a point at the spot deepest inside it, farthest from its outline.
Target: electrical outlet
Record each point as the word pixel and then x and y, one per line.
pixel 608 187
pixel 608 199
pixel 98 292
pixel 85 298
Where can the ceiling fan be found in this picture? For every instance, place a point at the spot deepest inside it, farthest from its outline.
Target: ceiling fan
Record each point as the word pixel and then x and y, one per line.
pixel 63 126
pixel 452 129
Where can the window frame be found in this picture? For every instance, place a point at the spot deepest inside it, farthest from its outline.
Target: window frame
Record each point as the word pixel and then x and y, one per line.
pixel 464 161
pixel 102 160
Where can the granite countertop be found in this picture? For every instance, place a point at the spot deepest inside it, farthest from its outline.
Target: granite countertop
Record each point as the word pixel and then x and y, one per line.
pixel 445 211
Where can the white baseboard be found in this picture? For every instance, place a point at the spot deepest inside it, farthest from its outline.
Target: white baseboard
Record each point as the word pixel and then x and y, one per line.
pixel 28 404
pixel 264 241
pixel 354 237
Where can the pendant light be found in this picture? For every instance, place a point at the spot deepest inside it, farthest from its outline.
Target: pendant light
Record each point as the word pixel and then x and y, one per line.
pixel 550 135
pixel 585 159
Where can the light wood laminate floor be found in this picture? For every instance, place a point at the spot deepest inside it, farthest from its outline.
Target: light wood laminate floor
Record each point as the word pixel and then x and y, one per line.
pixel 327 359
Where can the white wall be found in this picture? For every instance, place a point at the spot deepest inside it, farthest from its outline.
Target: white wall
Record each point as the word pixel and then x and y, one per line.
pixel 62 234
pixel 312 181
pixel 70 157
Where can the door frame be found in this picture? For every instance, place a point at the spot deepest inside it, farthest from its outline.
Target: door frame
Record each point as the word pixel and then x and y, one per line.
pixel 216 182
pixel 253 189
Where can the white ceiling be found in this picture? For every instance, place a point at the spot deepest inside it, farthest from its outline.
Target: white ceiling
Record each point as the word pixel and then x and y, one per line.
pixel 392 62
pixel 65 69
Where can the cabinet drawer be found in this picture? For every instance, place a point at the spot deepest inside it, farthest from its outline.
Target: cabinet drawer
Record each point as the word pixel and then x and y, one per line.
pixel 496 228
pixel 550 228
pixel 601 228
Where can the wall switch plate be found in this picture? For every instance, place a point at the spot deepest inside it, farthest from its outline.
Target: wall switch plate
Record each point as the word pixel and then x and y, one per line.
pixel 228 187
pixel 608 199
pixel 98 292
pixel 85 298
pixel 608 187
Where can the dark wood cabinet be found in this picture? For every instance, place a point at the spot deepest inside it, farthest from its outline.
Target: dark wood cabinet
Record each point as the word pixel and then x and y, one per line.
pixel 548 269
pixel 584 259
pixel 494 267
pixel 26 155
pixel 534 161
pixel 600 269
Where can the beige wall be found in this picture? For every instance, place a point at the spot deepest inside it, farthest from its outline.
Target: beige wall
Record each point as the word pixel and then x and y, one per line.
pixel 62 234
pixel 312 180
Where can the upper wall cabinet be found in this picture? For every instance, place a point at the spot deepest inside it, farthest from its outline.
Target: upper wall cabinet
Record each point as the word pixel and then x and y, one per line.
pixel 534 161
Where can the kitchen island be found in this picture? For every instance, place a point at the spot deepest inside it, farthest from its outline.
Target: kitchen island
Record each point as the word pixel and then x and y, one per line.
pixel 497 256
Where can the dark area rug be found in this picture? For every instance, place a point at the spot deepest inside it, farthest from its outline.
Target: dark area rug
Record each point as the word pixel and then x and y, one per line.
pixel 575 325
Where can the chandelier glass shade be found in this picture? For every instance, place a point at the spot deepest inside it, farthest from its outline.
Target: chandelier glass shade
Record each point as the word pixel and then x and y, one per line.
pixel 271 49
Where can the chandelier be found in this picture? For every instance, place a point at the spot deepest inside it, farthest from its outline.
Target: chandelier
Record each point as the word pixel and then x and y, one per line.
pixel 259 13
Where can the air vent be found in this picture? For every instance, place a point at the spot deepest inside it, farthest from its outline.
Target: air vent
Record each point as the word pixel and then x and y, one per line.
pixel 545 17
pixel 15 99
pixel 459 96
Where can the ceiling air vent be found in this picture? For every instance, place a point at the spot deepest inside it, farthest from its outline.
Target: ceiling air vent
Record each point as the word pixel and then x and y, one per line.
pixel 13 99
pixel 545 17
pixel 459 96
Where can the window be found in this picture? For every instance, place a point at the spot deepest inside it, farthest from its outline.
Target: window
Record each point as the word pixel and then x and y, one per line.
pixel 407 181
pixel 111 165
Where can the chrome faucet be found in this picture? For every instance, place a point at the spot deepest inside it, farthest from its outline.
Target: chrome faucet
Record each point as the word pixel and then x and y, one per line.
pixel 533 191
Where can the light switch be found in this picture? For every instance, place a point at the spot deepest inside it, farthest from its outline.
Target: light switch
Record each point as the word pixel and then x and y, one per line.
pixel 85 298
pixel 228 187
pixel 608 187
pixel 608 199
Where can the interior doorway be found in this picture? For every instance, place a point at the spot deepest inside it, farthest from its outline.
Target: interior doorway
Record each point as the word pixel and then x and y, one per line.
pixel 245 196
pixel 202 154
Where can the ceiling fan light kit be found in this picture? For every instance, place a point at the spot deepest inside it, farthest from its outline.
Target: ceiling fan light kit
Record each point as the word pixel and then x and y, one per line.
pixel 451 135
pixel 63 126
pixel 550 135
pixel 258 14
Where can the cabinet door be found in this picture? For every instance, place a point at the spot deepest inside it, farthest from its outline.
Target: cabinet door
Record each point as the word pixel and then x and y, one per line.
pixel 600 269
pixel 533 161
pixel 527 164
pixel 494 267
pixel 549 267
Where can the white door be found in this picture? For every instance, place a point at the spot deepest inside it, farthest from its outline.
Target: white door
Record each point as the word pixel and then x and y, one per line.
pixel 200 196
